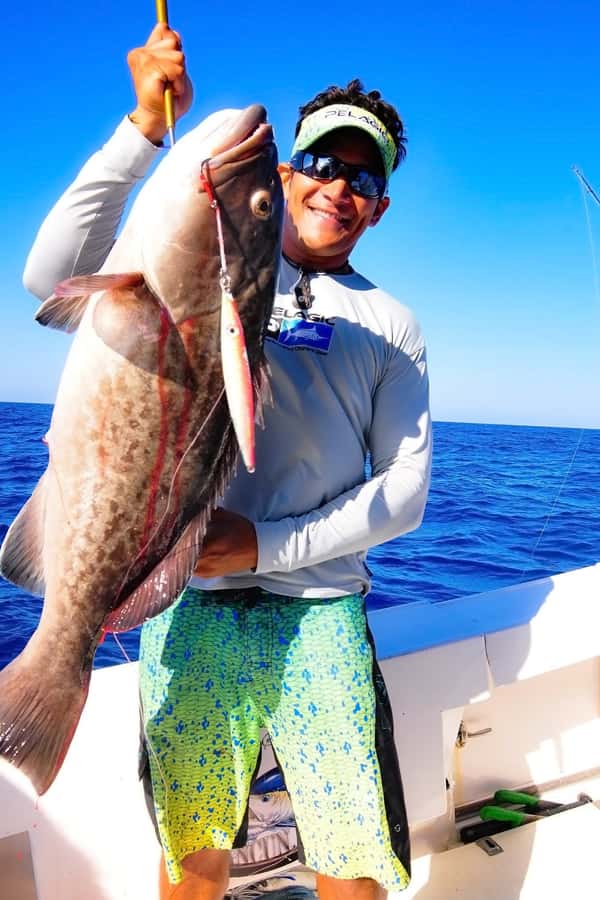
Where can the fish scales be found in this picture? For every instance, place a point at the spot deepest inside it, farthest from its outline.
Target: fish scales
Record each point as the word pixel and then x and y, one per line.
pixel 141 443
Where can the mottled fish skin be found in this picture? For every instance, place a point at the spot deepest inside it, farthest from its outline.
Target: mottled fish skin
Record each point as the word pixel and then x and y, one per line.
pixel 141 443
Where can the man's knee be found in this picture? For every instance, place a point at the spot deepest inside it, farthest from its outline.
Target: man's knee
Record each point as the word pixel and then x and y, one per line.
pixel 205 875
pixel 349 889
pixel 210 864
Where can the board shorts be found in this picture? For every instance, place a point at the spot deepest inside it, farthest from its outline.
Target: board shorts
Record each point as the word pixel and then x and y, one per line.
pixel 218 667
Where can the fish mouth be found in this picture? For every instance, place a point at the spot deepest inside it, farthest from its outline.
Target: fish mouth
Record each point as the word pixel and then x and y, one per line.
pixel 248 136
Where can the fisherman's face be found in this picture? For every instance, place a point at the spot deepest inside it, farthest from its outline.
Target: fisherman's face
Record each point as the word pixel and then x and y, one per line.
pixel 324 219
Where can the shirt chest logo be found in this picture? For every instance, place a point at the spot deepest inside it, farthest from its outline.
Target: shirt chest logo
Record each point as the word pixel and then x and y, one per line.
pixel 300 330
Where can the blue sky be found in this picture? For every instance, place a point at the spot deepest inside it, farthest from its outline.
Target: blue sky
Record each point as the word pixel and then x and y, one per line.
pixel 486 238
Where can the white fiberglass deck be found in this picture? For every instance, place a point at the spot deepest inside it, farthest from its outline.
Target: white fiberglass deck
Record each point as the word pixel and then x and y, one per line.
pixel 535 679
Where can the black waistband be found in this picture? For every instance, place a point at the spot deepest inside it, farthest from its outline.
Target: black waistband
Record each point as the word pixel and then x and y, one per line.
pixel 247 597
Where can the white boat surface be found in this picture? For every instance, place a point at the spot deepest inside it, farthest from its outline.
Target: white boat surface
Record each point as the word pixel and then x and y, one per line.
pixel 515 673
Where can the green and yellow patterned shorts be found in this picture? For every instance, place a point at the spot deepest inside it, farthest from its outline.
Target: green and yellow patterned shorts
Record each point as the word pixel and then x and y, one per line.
pixel 216 668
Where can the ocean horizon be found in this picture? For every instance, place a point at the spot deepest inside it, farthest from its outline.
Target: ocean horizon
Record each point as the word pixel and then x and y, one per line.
pixel 450 421
pixel 508 503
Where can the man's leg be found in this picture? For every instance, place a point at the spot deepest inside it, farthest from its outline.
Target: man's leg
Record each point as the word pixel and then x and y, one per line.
pixel 206 875
pixel 343 889
pixel 322 723
pixel 202 737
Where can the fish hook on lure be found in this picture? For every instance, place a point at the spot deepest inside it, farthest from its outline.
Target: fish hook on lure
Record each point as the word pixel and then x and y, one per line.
pixel 234 356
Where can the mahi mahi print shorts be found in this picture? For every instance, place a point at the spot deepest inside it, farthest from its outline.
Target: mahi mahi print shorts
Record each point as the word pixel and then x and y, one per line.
pixel 217 667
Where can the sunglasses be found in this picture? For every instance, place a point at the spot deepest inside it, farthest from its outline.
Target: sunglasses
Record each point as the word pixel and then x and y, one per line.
pixel 328 168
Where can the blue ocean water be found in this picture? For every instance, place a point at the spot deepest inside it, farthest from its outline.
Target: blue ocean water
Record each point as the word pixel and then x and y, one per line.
pixel 507 504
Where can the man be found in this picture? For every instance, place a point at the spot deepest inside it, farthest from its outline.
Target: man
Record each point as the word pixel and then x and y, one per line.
pixel 272 630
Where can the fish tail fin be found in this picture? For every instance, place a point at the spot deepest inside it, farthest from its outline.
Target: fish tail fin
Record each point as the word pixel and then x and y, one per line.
pixel 38 717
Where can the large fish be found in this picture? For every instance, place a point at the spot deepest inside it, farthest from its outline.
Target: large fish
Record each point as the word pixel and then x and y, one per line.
pixel 141 443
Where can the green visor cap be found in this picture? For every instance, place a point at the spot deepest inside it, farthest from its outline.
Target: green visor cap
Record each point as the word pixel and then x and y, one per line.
pixel 341 115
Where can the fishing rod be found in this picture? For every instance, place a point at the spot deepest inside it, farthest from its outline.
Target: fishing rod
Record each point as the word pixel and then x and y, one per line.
pixel 586 184
pixel 162 16
pixel 583 180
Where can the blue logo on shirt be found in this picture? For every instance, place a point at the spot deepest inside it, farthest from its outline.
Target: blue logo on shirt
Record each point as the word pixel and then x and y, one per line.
pixel 300 333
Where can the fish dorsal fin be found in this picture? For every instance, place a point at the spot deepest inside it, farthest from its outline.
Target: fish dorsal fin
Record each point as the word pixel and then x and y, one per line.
pixel 164 584
pixel 21 554
pixel 65 308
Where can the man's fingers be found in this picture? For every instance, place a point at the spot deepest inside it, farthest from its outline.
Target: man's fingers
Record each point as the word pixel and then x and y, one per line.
pixel 179 85
pixel 160 32
pixel 167 45
pixel 161 52
pixel 160 62
pixel 166 66
pixel 172 67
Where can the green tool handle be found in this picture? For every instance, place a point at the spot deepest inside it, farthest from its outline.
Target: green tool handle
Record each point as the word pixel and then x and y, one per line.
pixel 512 816
pixel 519 798
pixel 536 804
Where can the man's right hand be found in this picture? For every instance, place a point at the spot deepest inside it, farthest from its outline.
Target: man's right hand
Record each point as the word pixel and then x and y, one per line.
pixel 160 62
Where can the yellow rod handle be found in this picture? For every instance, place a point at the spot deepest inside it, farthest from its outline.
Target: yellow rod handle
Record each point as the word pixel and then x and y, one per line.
pixel 162 15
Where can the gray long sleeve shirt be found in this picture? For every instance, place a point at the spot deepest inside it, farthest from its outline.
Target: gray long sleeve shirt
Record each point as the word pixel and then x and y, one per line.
pixel 348 378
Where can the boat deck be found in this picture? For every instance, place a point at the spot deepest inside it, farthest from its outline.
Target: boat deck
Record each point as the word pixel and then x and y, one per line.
pixel 523 684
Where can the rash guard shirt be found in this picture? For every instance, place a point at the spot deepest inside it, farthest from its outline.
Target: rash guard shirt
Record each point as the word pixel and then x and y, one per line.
pixel 348 378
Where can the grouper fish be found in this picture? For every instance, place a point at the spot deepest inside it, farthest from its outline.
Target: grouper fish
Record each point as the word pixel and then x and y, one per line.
pixel 141 443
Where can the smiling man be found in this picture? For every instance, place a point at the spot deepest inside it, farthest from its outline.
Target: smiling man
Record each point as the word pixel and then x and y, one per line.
pixel 272 632
pixel 325 215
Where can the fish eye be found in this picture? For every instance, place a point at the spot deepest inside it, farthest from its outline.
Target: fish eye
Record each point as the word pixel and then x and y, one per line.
pixel 260 204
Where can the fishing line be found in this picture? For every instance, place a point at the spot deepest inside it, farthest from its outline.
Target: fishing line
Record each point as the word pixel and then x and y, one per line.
pixel 171 489
pixel 121 647
pixel 592 247
pixel 586 189
pixel 556 499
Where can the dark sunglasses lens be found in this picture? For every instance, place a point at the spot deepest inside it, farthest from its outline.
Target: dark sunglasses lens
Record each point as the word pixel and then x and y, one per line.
pixel 327 168
pixel 324 167
pixel 367 184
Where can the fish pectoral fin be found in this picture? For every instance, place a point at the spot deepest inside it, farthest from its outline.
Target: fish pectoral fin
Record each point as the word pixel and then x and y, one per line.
pixel 63 314
pixel 21 553
pixel 135 324
pixel 65 308
pixel 164 584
